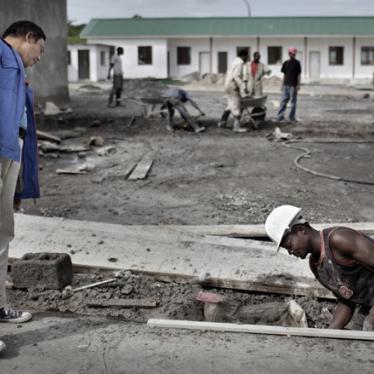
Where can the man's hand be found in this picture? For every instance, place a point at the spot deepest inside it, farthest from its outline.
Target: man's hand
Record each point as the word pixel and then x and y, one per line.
pixel 298 87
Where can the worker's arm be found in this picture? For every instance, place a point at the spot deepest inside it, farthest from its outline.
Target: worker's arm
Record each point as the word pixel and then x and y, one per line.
pixel 352 245
pixel 110 69
pixel 343 314
pixel 196 107
pixel 246 77
pixel 237 75
pixel 299 78
pixel 298 82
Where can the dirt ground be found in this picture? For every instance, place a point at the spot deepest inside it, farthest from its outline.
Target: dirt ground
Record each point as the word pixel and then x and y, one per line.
pixel 216 177
pixel 67 344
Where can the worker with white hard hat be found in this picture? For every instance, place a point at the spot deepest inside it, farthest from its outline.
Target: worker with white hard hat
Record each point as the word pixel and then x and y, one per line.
pixel 341 258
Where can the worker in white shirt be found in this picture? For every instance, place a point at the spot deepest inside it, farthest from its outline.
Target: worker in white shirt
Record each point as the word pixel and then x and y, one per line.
pixel 234 84
pixel 116 65
pixel 255 71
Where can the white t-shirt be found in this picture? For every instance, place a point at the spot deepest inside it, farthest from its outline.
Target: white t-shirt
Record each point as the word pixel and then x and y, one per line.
pixel 117 65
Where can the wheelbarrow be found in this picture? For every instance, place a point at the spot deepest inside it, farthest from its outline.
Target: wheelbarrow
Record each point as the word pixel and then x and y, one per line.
pixel 254 108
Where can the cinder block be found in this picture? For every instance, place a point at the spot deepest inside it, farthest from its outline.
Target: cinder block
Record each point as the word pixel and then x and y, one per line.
pixel 51 271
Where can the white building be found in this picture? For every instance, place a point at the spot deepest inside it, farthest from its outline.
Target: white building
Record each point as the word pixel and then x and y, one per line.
pixel 340 48
pixel 88 62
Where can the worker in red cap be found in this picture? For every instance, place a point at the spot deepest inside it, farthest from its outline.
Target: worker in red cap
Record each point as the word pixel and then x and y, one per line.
pixel 291 85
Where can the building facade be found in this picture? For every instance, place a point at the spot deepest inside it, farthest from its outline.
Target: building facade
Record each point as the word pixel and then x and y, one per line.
pixel 330 48
pixel 88 62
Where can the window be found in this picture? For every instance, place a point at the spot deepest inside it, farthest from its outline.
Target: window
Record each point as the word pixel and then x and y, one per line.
pixel 336 55
pixel 145 55
pixel 274 55
pixel 367 56
pixel 183 56
pixel 102 58
pixel 69 58
pixel 247 49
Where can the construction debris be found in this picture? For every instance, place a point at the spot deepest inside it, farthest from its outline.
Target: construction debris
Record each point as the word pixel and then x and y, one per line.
pixel 47 136
pixel 142 169
pixel 220 309
pixel 43 270
pixel 97 141
pixel 126 303
pixel 104 151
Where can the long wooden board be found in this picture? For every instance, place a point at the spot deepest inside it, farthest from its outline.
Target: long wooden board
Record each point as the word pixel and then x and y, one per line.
pixel 261 329
pixel 142 169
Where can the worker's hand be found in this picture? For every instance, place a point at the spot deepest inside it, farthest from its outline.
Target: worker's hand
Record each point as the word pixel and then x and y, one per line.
pixel 246 91
pixel 298 87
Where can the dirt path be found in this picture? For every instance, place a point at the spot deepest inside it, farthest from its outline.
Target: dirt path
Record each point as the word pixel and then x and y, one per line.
pixel 62 344
pixel 212 178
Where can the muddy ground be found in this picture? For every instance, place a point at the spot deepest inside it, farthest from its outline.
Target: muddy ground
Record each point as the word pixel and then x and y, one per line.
pixel 217 177
pixel 172 301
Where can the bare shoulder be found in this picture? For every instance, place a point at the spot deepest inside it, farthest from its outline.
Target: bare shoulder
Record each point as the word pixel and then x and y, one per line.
pixel 344 241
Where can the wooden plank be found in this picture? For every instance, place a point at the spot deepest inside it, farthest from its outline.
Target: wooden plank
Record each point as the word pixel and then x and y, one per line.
pixel 261 329
pixel 142 169
pixel 123 303
pixel 70 171
pixel 47 136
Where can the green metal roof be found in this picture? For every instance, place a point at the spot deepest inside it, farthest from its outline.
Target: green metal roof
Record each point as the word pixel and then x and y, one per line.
pixel 229 26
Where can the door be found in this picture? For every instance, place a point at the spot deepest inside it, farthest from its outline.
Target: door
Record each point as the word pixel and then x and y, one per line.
pixel 204 63
pixel 222 62
pixel 314 64
pixel 83 64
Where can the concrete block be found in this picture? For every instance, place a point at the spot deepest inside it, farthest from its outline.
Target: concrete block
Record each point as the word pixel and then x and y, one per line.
pixel 42 270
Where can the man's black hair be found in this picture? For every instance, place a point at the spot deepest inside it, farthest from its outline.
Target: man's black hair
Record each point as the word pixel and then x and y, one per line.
pixel 22 28
pixel 120 50
pixel 243 53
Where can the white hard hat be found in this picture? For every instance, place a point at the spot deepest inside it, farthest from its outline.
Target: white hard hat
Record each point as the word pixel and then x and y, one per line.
pixel 281 220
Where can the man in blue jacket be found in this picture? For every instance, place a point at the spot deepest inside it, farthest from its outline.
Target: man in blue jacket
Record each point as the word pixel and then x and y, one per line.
pixel 21 46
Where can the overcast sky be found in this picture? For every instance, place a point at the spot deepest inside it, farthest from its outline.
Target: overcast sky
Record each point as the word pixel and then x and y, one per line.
pixel 81 11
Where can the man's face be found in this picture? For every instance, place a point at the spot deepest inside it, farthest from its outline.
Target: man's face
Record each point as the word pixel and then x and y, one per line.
pixel 257 57
pixel 31 50
pixel 296 242
pixel 292 56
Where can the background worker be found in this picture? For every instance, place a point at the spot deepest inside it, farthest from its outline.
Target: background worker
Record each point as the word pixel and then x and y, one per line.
pixel 117 87
pixel 22 46
pixel 291 85
pixel 234 84
pixel 255 71
pixel 341 259
pixel 176 100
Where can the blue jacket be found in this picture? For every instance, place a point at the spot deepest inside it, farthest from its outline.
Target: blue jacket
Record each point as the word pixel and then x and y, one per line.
pixel 12 100
pixel 30 169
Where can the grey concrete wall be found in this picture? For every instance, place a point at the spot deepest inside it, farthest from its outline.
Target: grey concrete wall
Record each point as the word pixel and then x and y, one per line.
pixel 49 76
